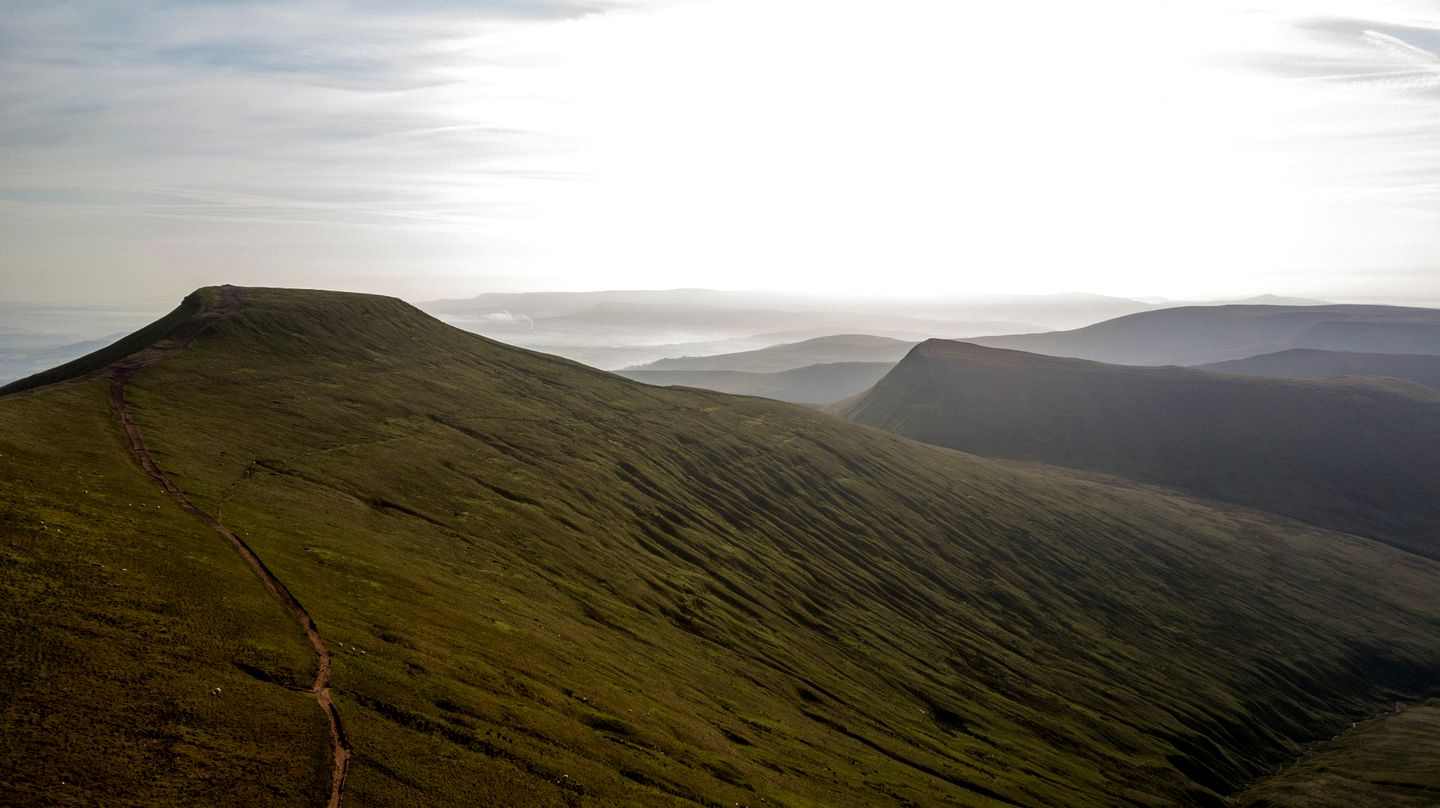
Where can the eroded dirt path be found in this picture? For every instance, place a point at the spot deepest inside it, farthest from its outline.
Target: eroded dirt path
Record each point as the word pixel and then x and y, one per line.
pixel 120 374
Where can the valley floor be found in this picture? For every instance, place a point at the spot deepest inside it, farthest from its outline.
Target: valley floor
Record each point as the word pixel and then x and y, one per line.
pixel 1393 760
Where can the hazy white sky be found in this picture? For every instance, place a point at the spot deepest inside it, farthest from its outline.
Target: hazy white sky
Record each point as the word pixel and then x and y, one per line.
pixel 429 149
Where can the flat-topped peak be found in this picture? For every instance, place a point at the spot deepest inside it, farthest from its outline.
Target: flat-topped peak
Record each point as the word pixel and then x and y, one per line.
pixel 323 320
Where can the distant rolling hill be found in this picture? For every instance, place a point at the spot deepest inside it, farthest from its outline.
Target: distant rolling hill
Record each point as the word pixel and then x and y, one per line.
pixel 812 384
pixel 1304 363
pixel 1356 455
pixel 34 338
pixel 541 584
pixel 25 359
pixel 1278 300
pixel 1194 335
pixel 619 329
pixel 848 348
pixel 860 312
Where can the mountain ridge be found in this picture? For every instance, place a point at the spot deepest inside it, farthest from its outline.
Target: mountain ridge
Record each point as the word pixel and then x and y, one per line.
pixel 831 349
pixel 1193 335
pixel 549 584
pixel 1312 363
pixel 1347 454
pixel 815 385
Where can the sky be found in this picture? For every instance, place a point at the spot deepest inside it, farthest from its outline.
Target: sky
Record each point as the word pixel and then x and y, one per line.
pixel 440 148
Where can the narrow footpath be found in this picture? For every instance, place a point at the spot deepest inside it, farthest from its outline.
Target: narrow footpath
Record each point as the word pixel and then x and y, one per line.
pixel 120 374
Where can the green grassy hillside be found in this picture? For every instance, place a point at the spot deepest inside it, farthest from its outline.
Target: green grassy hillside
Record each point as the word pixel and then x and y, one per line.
pixel 812 384
pixel 1304 363
pixel 547 585
pixel 1354 455
pixel 121 615
pixel 1388 762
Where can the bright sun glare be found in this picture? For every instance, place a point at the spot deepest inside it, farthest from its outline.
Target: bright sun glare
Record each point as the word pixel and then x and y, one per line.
pixel 1005 147
pixel 912 150
pixel 1185 149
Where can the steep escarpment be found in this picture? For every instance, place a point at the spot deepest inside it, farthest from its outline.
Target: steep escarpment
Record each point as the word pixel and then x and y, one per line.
pixel 1352 455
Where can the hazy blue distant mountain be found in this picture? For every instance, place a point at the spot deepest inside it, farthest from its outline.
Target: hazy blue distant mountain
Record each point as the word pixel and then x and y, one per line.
pixel 1279 300
pixel 813 384
pixel 35 337
pixel 31 354
pixel 1307 363
pixel 823 350
pixel 1257 300
pixel 620 329
pixel 630 328
pixel 1194 335
pixel 1049 311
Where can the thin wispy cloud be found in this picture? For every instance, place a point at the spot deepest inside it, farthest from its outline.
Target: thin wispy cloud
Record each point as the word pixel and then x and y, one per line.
pixel 446 148
pixel 167 121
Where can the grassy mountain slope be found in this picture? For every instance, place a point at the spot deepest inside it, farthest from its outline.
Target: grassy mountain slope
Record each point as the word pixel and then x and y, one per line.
pixel 1193 335
pixel 120 616
pixel 1385 763
pixel 1305 363
pixel 812 384
pixel 549 585
pixel 1352 455
pixel 776 358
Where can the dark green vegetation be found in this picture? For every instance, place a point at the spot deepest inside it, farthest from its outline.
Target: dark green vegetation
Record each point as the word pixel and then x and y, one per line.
pixel 1389 762
pixel 546 585
pixel 1353 455
pixel 120 615
pixel 1303 363
pixel 848 348
pixel 813 384
pixel 1194 335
